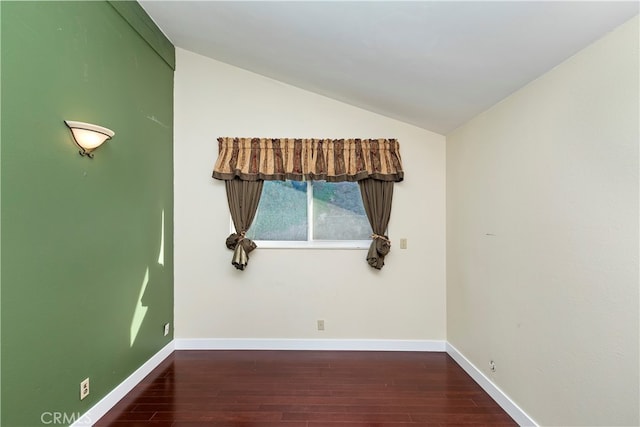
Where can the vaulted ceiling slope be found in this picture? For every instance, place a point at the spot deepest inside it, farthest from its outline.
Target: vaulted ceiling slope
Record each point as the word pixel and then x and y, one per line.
pixel 434 64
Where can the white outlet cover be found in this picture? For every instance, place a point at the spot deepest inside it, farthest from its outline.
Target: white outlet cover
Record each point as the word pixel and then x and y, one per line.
pixel 84 388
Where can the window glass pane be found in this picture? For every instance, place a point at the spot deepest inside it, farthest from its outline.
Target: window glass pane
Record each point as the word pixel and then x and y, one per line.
pixel 338 213
pixel 282 212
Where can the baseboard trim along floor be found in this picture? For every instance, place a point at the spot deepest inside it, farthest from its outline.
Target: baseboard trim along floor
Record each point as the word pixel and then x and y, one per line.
pixel 295 344
pixel 509 406
pixel 110 400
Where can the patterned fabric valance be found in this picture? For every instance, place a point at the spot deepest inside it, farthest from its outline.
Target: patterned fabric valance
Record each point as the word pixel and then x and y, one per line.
pixel 332 160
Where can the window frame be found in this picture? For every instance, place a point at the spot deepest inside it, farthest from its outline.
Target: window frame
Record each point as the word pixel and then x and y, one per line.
pixel 309 244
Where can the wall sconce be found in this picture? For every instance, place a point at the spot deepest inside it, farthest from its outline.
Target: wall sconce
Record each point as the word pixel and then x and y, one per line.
pixel 88 136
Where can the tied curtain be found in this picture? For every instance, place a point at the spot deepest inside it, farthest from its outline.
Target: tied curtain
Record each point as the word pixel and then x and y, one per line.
pixel 243 198
pixel 244 163
pixel 376 198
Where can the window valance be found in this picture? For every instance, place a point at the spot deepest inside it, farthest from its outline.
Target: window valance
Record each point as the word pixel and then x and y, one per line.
pixel 333 160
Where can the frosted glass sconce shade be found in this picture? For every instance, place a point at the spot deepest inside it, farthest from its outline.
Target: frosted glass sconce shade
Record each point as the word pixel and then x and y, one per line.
pixel 88 136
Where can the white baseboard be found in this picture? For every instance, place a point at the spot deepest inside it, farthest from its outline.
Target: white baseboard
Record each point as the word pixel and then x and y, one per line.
pixel 509 406
pixel 111 399
pixel 309 344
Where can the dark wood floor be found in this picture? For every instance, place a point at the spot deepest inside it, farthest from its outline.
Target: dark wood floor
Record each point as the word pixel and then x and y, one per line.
pixel 306 388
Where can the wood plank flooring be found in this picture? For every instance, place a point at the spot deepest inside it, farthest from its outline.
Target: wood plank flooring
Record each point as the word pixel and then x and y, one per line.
pixel 306 389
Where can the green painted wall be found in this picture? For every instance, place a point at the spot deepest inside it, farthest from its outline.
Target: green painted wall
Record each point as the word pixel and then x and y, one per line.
pixel 86 257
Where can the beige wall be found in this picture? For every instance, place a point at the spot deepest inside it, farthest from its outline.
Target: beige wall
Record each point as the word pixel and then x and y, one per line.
pixel 542 232
pixel 542 239
pixel 283 292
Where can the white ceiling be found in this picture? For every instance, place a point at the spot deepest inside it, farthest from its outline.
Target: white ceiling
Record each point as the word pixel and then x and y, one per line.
pixel 434 64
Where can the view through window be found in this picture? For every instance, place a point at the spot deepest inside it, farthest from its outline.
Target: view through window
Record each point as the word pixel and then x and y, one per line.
pixel 318 211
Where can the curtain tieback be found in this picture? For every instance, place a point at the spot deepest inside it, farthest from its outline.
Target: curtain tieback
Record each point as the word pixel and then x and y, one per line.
pixel 240 239
pixel 378 236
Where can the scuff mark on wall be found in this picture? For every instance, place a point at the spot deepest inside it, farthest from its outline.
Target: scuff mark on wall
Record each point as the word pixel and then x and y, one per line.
pixel 154 119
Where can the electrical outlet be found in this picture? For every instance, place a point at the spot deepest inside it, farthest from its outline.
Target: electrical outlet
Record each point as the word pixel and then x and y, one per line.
pixel 166 329
pixel 492 366
pixel 321 325
pixel 403 243
pixel 84 388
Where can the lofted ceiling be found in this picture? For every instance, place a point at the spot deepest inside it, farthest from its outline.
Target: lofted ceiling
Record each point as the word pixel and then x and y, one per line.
pixel 433 64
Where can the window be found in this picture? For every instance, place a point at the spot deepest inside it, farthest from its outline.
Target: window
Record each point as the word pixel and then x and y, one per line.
pixel 315 214
pixel 293 214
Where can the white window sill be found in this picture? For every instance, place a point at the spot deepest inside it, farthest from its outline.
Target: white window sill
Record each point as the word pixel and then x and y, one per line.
pixel 321 244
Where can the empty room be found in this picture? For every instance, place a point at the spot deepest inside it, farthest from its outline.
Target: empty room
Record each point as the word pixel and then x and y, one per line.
pixel 320 213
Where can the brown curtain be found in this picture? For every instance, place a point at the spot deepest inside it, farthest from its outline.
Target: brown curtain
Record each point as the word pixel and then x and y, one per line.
pixel 377 197
pixel 332 160
pixel 243 198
